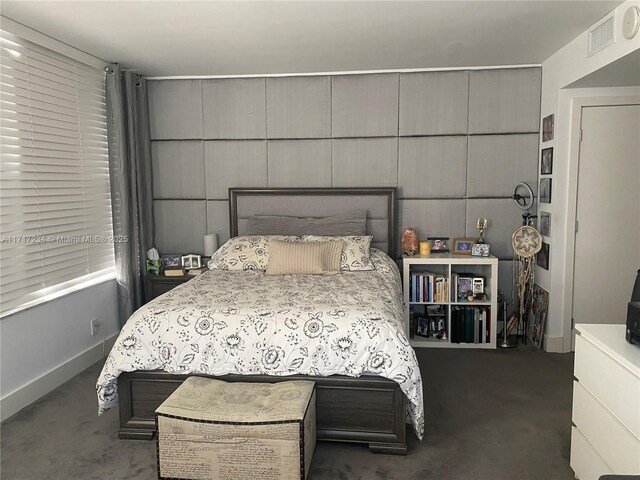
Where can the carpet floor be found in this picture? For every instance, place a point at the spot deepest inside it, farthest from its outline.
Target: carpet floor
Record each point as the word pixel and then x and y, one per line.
pixel 489 415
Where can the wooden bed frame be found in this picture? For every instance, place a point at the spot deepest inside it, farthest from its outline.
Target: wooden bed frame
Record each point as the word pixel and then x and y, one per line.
pixel 367 409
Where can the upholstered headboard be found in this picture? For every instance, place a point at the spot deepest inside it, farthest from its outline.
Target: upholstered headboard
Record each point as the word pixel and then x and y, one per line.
pixel 380 204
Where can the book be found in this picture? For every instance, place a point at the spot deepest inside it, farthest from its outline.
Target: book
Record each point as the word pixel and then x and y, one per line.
pixel 174 272
pixel 196 271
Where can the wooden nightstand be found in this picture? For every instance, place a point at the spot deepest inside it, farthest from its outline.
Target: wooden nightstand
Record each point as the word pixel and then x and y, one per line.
pixel 156 285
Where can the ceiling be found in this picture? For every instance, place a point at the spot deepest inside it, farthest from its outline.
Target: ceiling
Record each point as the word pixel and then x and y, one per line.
pixel 167 38
pixel 623 72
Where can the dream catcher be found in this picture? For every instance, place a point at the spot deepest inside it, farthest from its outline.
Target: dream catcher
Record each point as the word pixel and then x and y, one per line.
pixel 526 242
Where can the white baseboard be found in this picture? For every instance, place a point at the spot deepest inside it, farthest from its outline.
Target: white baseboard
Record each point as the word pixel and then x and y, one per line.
pixel 553 344
pixel 24 396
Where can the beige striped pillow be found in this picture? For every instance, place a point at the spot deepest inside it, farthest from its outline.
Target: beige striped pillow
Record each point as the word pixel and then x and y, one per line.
pixel 312 258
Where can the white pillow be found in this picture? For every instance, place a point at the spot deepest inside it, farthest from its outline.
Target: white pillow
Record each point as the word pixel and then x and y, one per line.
pixel 356 250
pixel 249 252
pixel 304 258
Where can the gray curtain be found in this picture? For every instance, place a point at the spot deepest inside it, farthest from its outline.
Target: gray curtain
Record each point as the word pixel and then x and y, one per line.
pixel 130 171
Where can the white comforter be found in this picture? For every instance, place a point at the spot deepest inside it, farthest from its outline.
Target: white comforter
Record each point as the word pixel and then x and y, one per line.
pixel 225 322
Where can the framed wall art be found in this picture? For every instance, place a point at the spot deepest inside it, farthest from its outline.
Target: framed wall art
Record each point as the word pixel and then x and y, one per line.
pixel 545 190
pixel 547 128
pixel 546 162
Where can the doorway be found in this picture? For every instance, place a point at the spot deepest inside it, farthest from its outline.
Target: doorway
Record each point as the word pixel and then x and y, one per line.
pixel 607 238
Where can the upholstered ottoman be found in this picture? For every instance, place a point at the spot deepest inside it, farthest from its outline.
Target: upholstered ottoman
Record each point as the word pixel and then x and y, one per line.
pixel 210 429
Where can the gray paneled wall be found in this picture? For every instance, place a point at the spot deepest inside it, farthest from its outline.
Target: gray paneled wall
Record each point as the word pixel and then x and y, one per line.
pixel 455 143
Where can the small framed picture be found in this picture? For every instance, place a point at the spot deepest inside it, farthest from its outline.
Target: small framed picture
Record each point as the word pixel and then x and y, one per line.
pixel 191 261
pixel 546 163
pixel 545 224
pixel 480 250
pixel 463 245
pixel 439 244
pixel 547 128
pixel 545 190
pixel 542 257
pixel 423 327
pixel 171 260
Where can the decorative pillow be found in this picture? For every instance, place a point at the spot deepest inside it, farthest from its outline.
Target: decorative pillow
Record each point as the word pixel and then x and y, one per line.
pixel 250 252
pixel 312 258
pixel 348 223
pixel 356 250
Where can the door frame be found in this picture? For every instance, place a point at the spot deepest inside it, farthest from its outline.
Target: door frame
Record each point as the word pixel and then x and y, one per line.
pixel 572 194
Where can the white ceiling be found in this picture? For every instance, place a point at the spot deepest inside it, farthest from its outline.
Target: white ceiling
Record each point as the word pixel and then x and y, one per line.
pixel 163 38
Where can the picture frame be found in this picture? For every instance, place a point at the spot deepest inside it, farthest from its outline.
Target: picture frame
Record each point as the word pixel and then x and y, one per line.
pixel 538 315
pixel 171 260
pixel 422 327
pixel 463 245
pixel 545 190
pixel 545 224
pixel 542 257
pixel 547 128
pixel 546 161
pixel 480 250
pixel 439 244
pixel 191 261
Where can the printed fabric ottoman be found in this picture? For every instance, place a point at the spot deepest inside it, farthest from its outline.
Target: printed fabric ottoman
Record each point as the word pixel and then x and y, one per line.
pixel 210 429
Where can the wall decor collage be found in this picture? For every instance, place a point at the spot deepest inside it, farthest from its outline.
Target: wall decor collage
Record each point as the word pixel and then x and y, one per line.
pixel 546 172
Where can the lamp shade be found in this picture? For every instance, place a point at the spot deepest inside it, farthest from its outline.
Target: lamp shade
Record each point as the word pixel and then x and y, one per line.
pixel 210 244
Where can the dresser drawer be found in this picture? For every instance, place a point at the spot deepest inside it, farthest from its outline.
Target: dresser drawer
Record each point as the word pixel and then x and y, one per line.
pixel 586 463
pixel 618 447
pixel 611 383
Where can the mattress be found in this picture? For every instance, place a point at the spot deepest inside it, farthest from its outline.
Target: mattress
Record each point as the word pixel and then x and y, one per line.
pixel 247 323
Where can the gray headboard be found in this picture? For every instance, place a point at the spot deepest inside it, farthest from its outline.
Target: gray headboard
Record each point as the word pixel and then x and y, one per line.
pixel 380 204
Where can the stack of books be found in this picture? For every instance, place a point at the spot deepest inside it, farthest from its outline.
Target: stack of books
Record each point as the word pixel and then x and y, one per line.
pixel 429 288
pixel 470 324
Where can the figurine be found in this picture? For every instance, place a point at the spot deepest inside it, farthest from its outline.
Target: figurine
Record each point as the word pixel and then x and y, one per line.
pixel 409 242
pixel 482 224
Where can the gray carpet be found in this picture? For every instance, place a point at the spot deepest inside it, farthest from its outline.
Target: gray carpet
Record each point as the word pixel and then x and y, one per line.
pixel 489 415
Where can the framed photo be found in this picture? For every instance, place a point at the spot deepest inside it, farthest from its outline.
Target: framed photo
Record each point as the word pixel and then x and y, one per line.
pixel 171 260
pixel 191 261
pixel 547 128
pixel 538 315
pixel 422 328
pixel 545 190
pixel 480 250
pixel 463 245
pixel 439 244
pixel 545 224
pixel 546 163
pixel 542 257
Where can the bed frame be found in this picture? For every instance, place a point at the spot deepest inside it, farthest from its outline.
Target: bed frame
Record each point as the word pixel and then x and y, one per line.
pixel 368 409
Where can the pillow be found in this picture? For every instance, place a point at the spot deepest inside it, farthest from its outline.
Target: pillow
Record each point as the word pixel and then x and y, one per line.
pixel 246 252
pixel 348 223
pixel 356 250
pixel 312 258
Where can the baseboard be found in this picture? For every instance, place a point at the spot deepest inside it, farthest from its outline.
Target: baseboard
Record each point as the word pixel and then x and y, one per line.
pixel 553 344
pixel 24 396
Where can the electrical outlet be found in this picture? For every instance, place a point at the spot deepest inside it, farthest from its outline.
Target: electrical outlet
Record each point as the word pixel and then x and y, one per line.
pixel 95 326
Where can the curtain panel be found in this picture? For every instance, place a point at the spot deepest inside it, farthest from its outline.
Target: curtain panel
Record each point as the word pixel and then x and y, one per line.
pixel 131 183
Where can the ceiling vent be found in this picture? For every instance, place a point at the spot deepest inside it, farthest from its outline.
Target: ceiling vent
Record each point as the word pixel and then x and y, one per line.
pixel 601 35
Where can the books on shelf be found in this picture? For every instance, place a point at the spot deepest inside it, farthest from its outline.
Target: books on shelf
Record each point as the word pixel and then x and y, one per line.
pixel 174 272
pixel 428 287
pixel 470 324
pixel 196 271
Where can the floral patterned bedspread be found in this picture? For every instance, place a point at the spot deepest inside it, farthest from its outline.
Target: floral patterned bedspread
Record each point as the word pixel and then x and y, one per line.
pixel 237 322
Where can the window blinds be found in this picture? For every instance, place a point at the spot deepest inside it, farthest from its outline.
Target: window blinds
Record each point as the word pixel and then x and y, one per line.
pixel 55 205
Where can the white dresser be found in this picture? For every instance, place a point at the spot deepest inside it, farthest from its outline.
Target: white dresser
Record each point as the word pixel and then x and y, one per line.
pixel 605 438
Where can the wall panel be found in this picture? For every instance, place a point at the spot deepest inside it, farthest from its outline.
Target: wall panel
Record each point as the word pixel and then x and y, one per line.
pixel 299 107
pixel 455 143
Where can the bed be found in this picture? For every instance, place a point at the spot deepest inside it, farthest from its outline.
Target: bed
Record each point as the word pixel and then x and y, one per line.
pixel 270 330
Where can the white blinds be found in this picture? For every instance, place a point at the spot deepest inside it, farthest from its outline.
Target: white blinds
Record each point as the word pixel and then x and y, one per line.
pixel 55 206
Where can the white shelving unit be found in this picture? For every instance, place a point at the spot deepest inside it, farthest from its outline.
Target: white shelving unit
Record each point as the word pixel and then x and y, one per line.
pixel 447 264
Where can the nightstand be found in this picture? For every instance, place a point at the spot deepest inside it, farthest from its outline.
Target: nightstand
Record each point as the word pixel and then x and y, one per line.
pixel 156 285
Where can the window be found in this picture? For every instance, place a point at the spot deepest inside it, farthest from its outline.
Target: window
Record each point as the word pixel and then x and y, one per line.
pixel 55 206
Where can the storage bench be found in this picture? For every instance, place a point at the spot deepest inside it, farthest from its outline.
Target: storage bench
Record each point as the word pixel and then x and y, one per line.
pixel 210 429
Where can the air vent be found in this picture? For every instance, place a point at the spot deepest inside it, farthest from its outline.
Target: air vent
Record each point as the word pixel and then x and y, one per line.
pixel 601 35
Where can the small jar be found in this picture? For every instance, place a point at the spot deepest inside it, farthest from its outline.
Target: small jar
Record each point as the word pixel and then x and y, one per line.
pixel 425 249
